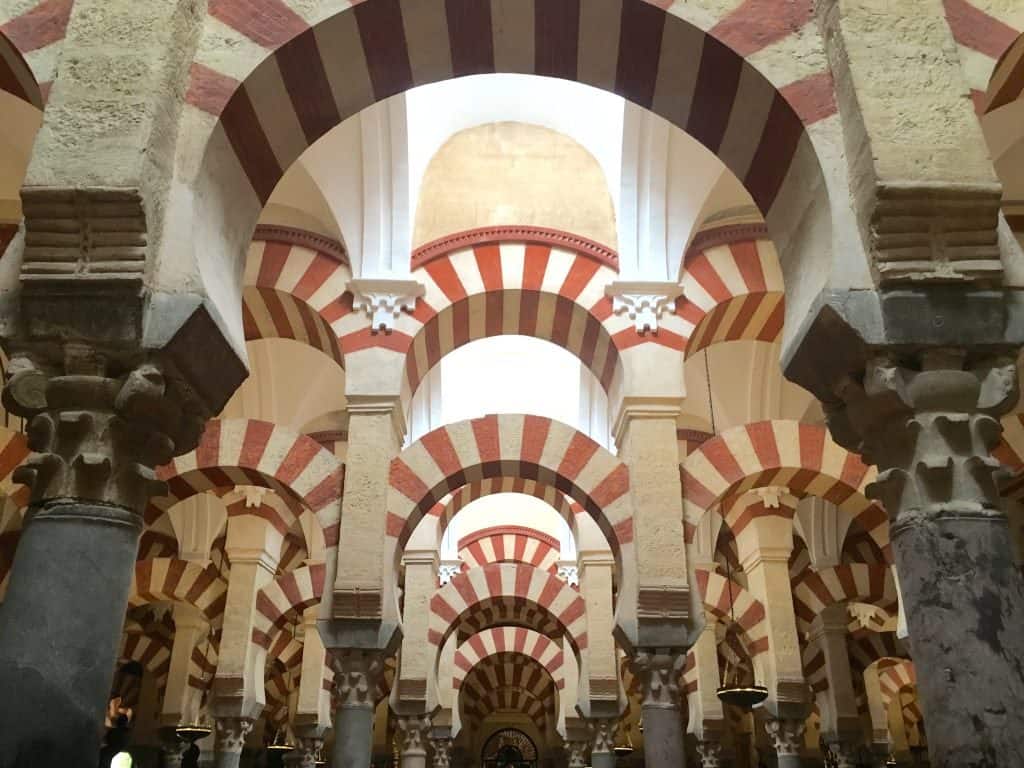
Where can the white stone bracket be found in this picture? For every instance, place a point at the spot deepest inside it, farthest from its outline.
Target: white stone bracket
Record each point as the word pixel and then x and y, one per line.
pixel 384 300
pixel 643 302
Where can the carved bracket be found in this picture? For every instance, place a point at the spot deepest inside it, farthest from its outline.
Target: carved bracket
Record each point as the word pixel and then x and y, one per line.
pixel 643 302
pixel 384 300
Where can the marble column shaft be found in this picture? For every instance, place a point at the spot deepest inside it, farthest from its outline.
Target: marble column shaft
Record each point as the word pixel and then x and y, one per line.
pixel 658 673
pixel 929 423
pixel 95 440
pixel 356 673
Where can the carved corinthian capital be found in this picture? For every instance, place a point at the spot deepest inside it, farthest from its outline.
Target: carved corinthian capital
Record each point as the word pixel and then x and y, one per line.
pixel 232 733
pixel 710 753
pixel 577 757
pixel 413 733
pixel 787 736
pixel 602 733
pixel 442 753
pixel 658 672
pixel 98 427
pixel 357 674
pixel 929 423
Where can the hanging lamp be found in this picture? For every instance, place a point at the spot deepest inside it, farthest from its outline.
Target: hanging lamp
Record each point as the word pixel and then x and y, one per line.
pixel 626 747
pixel 192 732
pixel 735 693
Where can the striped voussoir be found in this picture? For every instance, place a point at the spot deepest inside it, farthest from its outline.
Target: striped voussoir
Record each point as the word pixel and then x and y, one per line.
pixel 802 458
pixel 507 670
pixel 500 641
pixel 250 452
pixel 984 39
pixel 512 700
pixel 852 583
pixel 13 451
pixel 281 516
pixel 295 291
pixel 896 677
pixel 1007 82
pixel 507 594
pixel 16 76
pixel 529 447
pixel 740 510
pixel 510 544
pixel 37 32
pixel 748 611
pixel 378 48
pixel 731 292
pixel 152 651
pixel 285 597
pixel 202 663
pixel 450 505
pixel 815 671
pixel 867 646
pixel 1010 450
pixel 514 286
pixel 179 581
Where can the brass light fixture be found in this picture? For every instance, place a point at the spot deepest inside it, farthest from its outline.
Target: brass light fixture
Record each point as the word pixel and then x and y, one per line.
pixel 735 693
pixel 626 747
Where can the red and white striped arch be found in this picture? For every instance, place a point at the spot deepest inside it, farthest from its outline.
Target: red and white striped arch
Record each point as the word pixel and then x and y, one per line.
pixel 508 670
pixel 802 458
pixel 152 651
pixel 507 594
pixel 984 32
pixel 748 611
pixel 498 641
pixel 530 447
pixel 516 700
pixel 895 676
pixel 510 544
pixel 852 583
pixel 250 452
pixel 179 581
pixel 16 76
pixel 655 59
pixel 453 503
pixel 286 596
pixel 13 451
pixel 515 280
pixel 867 646
pixel 732 290
pixel 295 284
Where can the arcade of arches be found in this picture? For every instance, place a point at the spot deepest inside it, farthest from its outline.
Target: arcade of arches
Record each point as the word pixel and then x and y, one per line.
pixel 489 383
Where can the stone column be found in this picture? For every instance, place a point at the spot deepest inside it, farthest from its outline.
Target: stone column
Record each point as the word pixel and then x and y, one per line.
pixel 576 754
pixel 787 740
pixel 930 422
pixel 602 742
pixel 442 752
pixel 231 735
pixel 356 674
pixel 413 736
pixel 95 438
pixel 840 717
pixel 658 673
pixel 180 699
pixel 304 754
pixel 710 753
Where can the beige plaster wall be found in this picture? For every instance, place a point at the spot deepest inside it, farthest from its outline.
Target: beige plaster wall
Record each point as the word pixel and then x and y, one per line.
pixel 513 173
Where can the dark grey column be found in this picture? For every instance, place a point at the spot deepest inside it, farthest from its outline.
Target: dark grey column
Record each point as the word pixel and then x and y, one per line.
pixel 787 737
pixel 95 440
pixel 356 675
pixel 60 627
pixel 929 423
pixel 658 673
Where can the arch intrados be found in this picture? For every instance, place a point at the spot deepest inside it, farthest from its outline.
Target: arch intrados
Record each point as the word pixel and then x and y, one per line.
pixel 631 48
pixel 497 595
pixel 236 452
pixel 802 458
pixel 504 640
pixel 270 313
pixel 179 581
pixel 490 676
pixel 16 77
pixel 539 314
pixel 496 701
pixel 538 449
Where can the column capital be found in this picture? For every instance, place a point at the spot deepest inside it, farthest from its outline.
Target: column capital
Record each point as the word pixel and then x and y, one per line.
pixel 602 733
pixel 635 407
pixel 99 426
pixel 787 735
pixel 929 421
pixel 378 405
pixel 658 670
pixel 357 673
pixel 710 752
pixel 643 301
pixel 442 752
pixel 577 754
pixel 232 733
pixel 413 733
